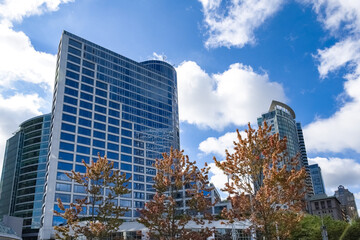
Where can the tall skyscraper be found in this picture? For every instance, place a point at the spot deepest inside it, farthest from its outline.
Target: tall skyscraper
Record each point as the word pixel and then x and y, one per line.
pixel 23 176
pixel 347 201
pixel 282 119
pixel 317 180
pixel 106 103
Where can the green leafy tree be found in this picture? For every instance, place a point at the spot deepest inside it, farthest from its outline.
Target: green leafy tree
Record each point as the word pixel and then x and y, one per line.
pixel 310 227
pixel 161 215
pixel 352 232
pixel 103 185
pixel 266 187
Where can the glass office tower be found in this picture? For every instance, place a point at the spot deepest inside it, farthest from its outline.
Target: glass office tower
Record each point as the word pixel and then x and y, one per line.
pixel 317 180
pixel 106 103
pixel 23 175
pixel 282 119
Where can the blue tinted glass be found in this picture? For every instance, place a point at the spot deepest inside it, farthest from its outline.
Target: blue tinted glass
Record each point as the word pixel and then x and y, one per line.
pixel 87 80
pixel 126 133
pixel 86 105
pixel 83 140
pixel 80 168
pixel 138 169
pixel 139 195
pixel 98 134
pixel 72 83
pixel 88 72
pixel 113 129
pixel 67 127
pixel 70 100
pixel 96 152
pixel 150 171
pixel 73 58
pixel 98 143
pixel 67 136
pixel 114 105
pixel 112 146
pixel 82 149
pixel 126 141
pixel 116 164
pixel 74 51
pixel 101 93
pixel 84 122
pixel 72 75
pixel 138 160
pixel 126 125
pixel 84 131
pixel 150 188
pixel 113 121
pixel 139 152
pixel 85 113
pixel 100 101
pixel 139 178
pixel 99 126
pixel 125 158
pixel 113 138
pixel 86 96
pixel 139 186
pixel 126 150
pixel 125 203
pixel 63 177
pixel 68 118
pixel 126 167
pixel 100 109
pixel 63 187
pixel 150 162
pixel 113 155
pixel 74 43
pixel 69 109
pixel 71 91
pixel 88 64
pixel 150 179
pixel 67 146
pixel 79 189
pixel 80 158
pixel 65 166
pixel 101 85
pixel 87 88
pixel 73 67
pixel 114 113
pixel 66 156
pixel 100 117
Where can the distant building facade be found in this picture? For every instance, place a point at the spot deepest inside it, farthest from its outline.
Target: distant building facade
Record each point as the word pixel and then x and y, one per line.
pixel 317 180
pixel 23 176
pixel 347 201
pixel 282 120
pixel 322 205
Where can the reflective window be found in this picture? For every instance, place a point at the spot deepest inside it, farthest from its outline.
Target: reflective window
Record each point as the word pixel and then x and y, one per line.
pixel 101 101
pixel 139 186
pixel 87 105
pixel 138 152
pixel 125 166
pixel 98 143
pixel 125 158
pixel 100 117
pixel 139 195
pixel 138 169
pixel 82 149
pixel 74 51
pixel 113 155
pixel 97 151
pixel 88 72
pixel 85 113
pixel 73 59
pixel 101 93
pixel 139 178
pixel 71 91
pixel 126 141
pixel 71 74
pixel 99 126
pixel 88 64
pixel 80 158
pixel 138 144
pixel 151 171
pixel 87 88
pixel 63 187
pixel 86 96
pixel 74 43
pixel 113 121
pixel 100 109
pixel 113 138
pixel 87 80
pixel 69 109
pixel 126 125
pixel 67 146
pixel 126 150
pixel 114 113
pixel 150 179
pixel 68 127
pixel 62 176
pixel 83 140
pixel 113 129
pixel 139 204
pixel 112 146
pixel 80 168
pixel 65 166
pixel 66 156
pixel 65 198
pixel 67 136
pixel 98 134
pixel 84 122
pixel 71 83
pixel 84 131
pixel 114 105
pixel 126 133
pixel 138 160
pixel 150 162
pixel 101 85
pixel 68 118
pixel 125 203
pixel 73 67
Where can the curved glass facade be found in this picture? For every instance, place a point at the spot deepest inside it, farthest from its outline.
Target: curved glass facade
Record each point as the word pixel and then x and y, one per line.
pixel 30 152
pixel 106 103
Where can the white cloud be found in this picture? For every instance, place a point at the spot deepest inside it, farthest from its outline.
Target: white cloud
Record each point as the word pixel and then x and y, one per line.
pixel 15 110
pixel 237 96
pixel 234 24
pixel 338 171
pixel 217 146
pixel 218 178
pixel 159 56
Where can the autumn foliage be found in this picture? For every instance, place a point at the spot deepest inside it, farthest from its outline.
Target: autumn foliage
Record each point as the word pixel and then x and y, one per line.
pixel 162 215
pixel 265 186
pixel 103 185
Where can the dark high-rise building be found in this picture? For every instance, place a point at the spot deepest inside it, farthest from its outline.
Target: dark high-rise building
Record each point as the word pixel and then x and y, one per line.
pixel 23 176
pixel 282 120
pixel 106 103
pixel 347 201
pixel 317 180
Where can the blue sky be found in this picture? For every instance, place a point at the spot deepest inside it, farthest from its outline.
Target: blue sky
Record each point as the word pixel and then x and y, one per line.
pixel 232 58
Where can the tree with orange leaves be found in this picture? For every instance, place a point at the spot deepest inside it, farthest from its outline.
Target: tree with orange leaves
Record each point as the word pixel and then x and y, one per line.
pixel 103 185
pixel 265 188
pixel 162 215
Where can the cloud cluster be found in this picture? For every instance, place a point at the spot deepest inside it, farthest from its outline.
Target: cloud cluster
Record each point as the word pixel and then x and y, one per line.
pixel 20 62
pixel 237 96
pixel 339 17
pixel 234 24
